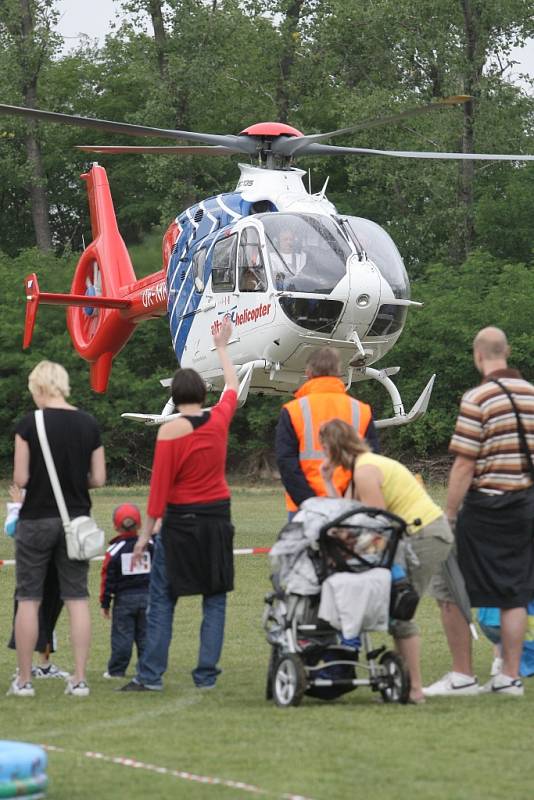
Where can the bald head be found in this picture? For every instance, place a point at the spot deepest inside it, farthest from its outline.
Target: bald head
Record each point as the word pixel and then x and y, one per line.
pixel 491 349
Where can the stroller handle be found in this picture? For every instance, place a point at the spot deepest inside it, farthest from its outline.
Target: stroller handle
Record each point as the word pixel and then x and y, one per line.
pixel 398 530
pixel 372 512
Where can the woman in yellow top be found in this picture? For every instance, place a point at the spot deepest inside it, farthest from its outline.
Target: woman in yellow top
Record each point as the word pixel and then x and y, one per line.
pixel 382 482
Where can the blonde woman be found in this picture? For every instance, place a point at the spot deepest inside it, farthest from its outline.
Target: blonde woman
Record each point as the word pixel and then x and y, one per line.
pixel 74 439
pixel 382 482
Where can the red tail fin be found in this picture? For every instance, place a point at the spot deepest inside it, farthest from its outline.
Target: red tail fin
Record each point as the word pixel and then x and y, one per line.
pixel 32 304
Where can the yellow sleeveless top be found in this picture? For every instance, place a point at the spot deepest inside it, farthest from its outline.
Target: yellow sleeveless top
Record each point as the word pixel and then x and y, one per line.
pixel 403 494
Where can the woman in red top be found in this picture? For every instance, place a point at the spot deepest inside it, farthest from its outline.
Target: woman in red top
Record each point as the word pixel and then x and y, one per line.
pixel 193 554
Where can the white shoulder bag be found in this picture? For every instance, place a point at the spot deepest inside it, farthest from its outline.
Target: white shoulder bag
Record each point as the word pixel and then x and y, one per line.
pixel 83 537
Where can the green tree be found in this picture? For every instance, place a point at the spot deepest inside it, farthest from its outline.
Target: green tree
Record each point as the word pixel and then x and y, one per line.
pixel 458 301
pixel 26 27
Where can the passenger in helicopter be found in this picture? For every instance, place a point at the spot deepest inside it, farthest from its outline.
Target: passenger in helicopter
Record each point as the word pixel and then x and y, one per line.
pixel 252 277
pixel 287 260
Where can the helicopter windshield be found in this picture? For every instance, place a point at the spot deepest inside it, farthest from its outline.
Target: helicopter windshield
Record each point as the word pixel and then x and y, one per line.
pixel 382 251
pixel 307 253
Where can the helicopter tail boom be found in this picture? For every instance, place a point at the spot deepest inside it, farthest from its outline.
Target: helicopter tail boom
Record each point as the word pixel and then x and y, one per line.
pixel 106 300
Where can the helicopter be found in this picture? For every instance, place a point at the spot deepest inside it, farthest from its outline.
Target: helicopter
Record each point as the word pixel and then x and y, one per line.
pixel 289 271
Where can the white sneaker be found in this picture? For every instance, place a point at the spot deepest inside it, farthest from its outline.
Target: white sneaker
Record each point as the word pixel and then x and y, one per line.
pixel 503 684
pixel 51 671
pixel 453 683
pixel 26 690
pixel 109 677
pixel 496 666
pixel 79 689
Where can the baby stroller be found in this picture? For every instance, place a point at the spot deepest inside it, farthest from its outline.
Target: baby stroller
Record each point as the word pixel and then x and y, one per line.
pixel 332 570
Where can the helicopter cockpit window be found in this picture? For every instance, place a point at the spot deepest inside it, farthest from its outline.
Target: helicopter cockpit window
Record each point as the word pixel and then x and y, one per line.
pixel 382 251
pixel 197 266
pixel 223 264
pixel 250 266
pixel 307 252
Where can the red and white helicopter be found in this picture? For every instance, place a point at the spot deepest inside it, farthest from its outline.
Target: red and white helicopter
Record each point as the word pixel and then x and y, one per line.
pixel 291 272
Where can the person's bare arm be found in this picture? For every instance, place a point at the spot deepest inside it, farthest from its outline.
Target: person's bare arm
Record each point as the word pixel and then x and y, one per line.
pixel 368 483
pixel 220 340
pixel 97 473
pixel 149 526
pixel 21 462
pixel 460 479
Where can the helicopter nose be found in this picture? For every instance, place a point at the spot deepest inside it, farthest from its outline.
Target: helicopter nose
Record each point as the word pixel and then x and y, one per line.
pixel 361 290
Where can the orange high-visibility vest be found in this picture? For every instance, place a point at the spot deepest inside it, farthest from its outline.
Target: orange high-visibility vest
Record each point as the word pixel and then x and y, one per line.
pixel 320 400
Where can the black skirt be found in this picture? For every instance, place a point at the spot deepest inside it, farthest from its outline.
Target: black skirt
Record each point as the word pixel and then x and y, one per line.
pixel 495 539
pixel 198 543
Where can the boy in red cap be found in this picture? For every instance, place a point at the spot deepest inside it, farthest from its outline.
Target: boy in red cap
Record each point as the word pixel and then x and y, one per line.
pixel 127 587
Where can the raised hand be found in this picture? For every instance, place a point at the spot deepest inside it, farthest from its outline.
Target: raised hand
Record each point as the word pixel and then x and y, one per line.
pixel 222 336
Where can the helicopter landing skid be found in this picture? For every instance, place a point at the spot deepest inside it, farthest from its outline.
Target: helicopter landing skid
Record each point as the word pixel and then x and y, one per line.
pixel 400 417
pixel 244 373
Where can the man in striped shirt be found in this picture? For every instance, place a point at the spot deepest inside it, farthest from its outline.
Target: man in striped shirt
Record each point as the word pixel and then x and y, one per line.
pixel 492 503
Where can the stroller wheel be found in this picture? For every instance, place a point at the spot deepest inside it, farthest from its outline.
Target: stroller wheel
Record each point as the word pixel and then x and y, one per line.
pixel 273 658
pixel 396 688
pixel 289 681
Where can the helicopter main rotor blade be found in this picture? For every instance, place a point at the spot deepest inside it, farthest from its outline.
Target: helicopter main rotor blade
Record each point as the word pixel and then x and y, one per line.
pixel 293 146
pixel 240 143
pixel 194 150
pixel 332 150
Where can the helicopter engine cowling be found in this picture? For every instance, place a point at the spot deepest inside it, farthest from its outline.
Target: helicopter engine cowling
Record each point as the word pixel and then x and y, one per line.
pixel 104 269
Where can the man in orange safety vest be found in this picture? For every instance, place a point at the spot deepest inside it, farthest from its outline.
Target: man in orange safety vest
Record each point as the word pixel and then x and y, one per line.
pixel 298 451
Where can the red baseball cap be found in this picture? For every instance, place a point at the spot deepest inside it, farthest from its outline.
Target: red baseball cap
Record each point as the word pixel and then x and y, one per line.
pixel 126 517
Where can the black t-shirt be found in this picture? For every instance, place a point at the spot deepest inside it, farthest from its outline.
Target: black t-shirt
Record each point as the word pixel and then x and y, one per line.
pixel 72 436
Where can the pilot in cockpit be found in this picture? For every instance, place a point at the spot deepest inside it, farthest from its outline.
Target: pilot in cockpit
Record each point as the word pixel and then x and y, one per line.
pixel 287 259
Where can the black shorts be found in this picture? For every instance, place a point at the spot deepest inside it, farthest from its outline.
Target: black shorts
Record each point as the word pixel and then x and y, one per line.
pixel 495 539
pixel 37 542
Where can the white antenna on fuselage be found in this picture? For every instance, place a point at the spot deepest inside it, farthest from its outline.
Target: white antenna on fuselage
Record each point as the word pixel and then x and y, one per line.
pixel 323 190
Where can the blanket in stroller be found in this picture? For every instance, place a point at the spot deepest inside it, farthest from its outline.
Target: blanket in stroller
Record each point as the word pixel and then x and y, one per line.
pixel 356 602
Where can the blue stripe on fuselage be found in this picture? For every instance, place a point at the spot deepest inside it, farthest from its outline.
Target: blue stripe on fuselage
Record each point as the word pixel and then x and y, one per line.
pixel 217 213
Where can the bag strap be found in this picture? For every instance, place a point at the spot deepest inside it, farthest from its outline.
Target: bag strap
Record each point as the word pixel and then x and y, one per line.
pixel 50 466
pixel 520 428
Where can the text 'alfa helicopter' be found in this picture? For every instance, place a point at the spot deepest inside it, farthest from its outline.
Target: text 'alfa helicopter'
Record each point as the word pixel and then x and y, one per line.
pixel 291 272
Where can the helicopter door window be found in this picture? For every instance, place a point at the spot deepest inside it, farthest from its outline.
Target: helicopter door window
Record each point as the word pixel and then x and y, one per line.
pixel 199 259
pixel 250 266
pixel 223 264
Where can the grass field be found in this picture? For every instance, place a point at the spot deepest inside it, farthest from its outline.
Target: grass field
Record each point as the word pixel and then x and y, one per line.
pixel 448 749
